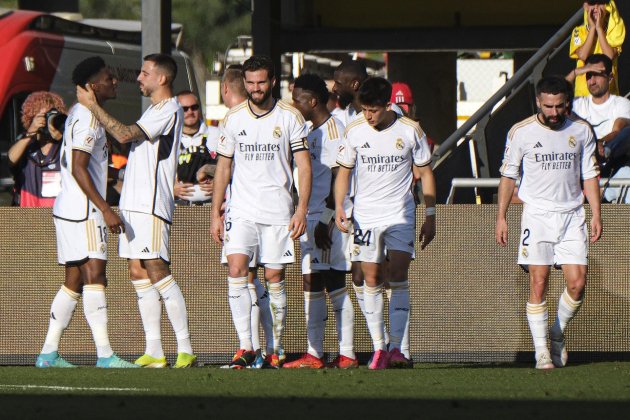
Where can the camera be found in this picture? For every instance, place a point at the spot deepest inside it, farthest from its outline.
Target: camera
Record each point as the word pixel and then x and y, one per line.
pixel 55 119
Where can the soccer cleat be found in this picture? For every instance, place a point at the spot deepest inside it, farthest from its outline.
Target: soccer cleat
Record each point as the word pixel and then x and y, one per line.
pixel 185 360
pixel 272 361
pixel 380 360
pixel 242 359
pixel 258 362
pixel 52 360
pixel 344 362
pixel 114 362
pixel 148 361
pixel 559 354
pixel 398 360
pixel 307 361
pixel 543 361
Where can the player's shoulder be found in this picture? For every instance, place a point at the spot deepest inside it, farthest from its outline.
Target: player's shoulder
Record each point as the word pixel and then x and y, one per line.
pixel 576 119
pixel 234 111
pixel 288 108
pixel 356 124
pixel 521 125
pixel 82 117
pixel 167 105
pixel 334 128
pixel 411 124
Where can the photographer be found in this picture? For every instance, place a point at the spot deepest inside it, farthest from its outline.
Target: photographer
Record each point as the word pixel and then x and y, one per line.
pixel 35 155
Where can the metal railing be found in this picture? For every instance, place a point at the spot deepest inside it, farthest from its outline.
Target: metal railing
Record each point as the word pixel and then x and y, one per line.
pixel 494 183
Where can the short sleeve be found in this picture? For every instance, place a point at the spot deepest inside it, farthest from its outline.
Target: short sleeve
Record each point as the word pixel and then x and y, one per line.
pixel 512 157
pixel 421 150
pixel 157 120
pixel 84 135
pixel 226 143
pixel 346 155
pixel 577 39
pixel 590 168
pixel 297 134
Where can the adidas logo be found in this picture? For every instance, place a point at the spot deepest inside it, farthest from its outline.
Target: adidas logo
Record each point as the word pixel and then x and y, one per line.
pixel 146 249
pixel 242 133
pixel 537 145
pixel 366 146
pixel 288 253
pixel 315 261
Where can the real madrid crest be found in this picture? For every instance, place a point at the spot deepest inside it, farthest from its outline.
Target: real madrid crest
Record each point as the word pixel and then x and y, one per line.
pixel 572 141
pixel 356 250
pixel 399 144
pixel 277 133
pixel 226 238
pixel 524 253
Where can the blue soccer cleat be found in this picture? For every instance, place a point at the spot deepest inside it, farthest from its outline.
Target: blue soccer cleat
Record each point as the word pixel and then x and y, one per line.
pixel 114 362
pixel 52 360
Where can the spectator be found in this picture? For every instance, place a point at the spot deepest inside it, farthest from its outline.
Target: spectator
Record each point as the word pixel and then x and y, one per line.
pixel 402 96
pixel 35 155
pixel 608 114
pixel 603 32
pixel 198 147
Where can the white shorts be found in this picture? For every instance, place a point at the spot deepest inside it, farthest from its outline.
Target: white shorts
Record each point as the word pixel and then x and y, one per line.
pixel 372 244
pixel 316 259
pixel 145 238
pixel 79 241
pixel 553 238
pixel 253 262
pixel 269 244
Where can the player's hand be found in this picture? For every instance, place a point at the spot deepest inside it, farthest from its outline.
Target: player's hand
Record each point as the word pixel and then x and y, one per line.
pixel 341 220
pixel 501 232
pixel 297 225
pixel 113 221
pixel 216 229
pixel 596 229
pixel 207 187
pixel 323 235
pixel 85 96
pixel 427 231
pixel 183 190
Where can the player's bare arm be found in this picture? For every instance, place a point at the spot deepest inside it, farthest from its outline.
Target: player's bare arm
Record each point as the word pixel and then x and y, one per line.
pixel 121 132
pixel 221 179
pixel 80 162
pixel 506 189
pixel 342 184
pixel 591 191
pixel 297 225
pixel 427 231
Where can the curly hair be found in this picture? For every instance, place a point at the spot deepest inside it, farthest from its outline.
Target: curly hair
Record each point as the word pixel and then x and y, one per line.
pixel 38 100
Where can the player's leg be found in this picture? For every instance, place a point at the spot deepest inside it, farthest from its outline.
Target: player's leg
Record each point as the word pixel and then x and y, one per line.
pixel 274 275
pixel 254 312
pixel 61 311
pixel 265 318
pixel 538 315
pixel 160 275
pixel 240 302
pixel 399 305
pixel 373 295
pixel 344 318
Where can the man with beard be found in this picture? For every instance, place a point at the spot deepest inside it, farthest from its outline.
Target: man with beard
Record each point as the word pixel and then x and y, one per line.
pixel 557 153
pixel 608 114
pixel 147 205
pixel 261 136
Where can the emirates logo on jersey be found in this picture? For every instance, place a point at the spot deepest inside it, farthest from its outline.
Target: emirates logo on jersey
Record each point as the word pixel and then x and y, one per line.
pixel 572 141
pixel 399 144
pixel 277 133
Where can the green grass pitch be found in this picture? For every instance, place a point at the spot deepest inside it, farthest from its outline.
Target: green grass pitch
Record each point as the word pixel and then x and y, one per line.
pixel 446 391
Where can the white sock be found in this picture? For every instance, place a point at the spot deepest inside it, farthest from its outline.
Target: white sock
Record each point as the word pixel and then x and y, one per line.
pixel 567 308
pixel 398 312
pixel 61 311
pixel 255 317
pixel 358 293
pixel 373 297
pixel 241 307
pixel 344 319
pixel 537 317
pixel 175 305
pixel 316 314
pixel 95 309
pixel 151 313
pixel 388 293
pixel 265 314
pixel 278 305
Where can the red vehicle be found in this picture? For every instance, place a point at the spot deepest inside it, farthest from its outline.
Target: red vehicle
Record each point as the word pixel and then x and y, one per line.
pixel 39 51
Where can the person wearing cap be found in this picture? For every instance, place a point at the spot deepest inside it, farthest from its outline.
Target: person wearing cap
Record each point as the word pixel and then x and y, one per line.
pixel 197 149
pixel 603 32
pixel 402 96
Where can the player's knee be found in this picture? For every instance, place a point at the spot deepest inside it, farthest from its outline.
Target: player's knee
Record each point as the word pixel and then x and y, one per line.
pixel 236 271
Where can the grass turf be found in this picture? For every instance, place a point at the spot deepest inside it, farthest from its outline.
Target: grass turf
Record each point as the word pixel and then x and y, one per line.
pixel 428 391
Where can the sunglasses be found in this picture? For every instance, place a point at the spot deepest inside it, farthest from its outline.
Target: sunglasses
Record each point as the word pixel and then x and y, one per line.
pixel 592 73
pixel 192 107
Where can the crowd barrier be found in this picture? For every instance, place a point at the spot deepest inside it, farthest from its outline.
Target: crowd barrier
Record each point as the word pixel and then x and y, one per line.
pixel 468 295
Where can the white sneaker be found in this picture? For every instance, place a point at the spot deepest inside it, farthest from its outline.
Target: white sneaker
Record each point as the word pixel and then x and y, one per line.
pixel 559 354
pixel 543 361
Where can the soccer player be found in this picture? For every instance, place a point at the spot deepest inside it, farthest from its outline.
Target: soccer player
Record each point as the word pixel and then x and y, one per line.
pixel 386 151
pixel 82 218
pixel 147 205
pixel 557 154
pixel 260 136
pixel 325 250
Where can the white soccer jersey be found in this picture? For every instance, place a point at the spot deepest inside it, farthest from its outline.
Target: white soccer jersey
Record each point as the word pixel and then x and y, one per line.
pixel 383 171
pixel 553 162
pixel 82 132
pixel 262 146
pixel 150 171
pixel 210 132
pixel 346 116
pixel 602 116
